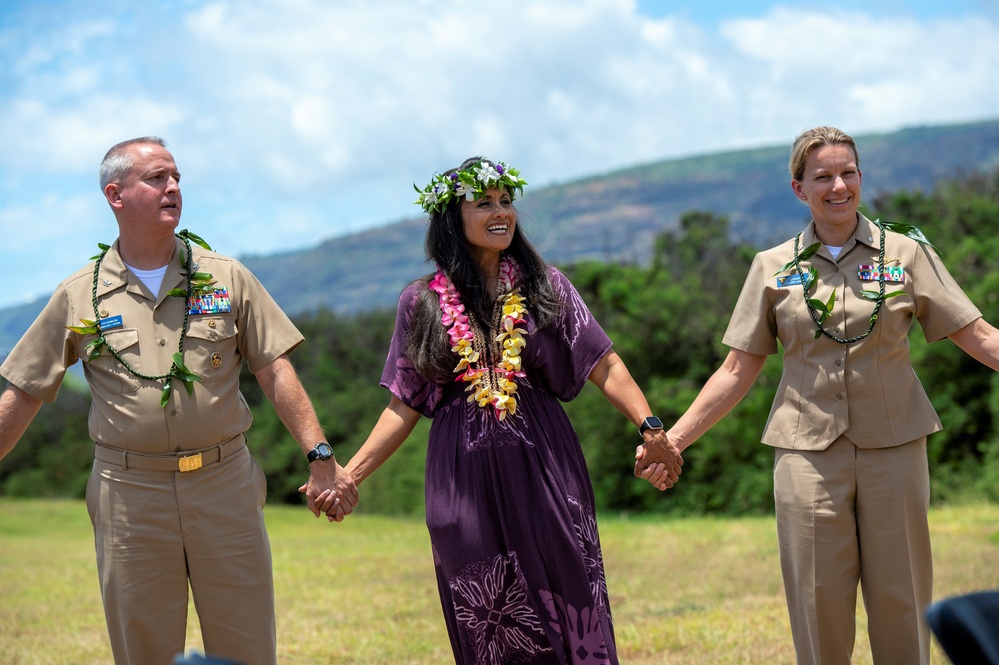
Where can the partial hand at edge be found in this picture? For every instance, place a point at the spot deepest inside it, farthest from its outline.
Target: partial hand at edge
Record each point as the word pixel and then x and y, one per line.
pixel 658 460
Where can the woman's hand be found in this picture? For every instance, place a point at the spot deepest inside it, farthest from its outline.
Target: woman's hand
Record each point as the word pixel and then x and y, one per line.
pixel 658 460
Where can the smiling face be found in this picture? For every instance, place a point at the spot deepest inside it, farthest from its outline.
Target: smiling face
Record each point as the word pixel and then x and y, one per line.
pixel 147 200
pixel 830 185
pixel 489 223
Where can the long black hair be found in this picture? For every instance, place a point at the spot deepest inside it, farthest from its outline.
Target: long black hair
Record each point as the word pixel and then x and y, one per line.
pixel 427 344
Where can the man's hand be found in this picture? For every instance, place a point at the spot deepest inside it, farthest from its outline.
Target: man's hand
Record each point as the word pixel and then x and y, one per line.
pixel 658 460
pixel 330 490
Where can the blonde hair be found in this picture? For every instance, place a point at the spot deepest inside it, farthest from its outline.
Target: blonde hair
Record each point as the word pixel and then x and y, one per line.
pixel 813 138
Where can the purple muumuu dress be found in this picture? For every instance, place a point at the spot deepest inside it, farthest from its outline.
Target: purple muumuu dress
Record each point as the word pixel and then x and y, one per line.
pixel 510 505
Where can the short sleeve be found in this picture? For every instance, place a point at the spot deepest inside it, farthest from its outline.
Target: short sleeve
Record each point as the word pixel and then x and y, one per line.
pixel 265 331
pixel 753 326
pixel 39 360
pixel 398 376
pixel 942 307
pixel 579 341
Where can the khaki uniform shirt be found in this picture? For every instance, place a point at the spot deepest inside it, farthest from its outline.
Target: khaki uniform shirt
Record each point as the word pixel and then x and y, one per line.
pixel 866 390
pixel 126 411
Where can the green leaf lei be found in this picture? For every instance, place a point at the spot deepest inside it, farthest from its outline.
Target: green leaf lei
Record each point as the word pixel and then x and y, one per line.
pixel 197 282
pixel 819 310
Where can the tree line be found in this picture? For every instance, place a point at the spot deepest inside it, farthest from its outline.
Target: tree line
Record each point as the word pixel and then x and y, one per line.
pixel 666 319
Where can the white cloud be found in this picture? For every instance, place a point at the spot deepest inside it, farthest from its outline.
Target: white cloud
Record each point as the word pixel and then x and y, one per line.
pixel 315 118
pixel 871 73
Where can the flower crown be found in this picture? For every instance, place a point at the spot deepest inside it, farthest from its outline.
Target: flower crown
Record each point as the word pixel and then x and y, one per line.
pixel 470 183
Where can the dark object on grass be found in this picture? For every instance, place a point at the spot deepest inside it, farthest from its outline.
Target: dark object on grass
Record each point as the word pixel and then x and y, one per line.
pixel 967 627
pixel 197 659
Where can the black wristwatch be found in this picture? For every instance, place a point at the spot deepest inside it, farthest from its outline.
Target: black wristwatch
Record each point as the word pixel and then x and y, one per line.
pixel 650 423
pixel 322 450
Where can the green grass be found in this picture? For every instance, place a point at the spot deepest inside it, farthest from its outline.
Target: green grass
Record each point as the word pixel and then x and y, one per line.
pixel 683 591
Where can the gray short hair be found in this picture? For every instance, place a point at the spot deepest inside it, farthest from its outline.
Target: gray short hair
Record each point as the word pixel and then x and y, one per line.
pixel 117 163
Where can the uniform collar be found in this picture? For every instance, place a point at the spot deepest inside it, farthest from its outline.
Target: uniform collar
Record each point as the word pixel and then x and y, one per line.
pixel 114 274
pixel 866 233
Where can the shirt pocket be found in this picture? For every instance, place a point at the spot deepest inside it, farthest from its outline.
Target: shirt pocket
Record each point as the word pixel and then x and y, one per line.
pixel 210 350
pixel 110 373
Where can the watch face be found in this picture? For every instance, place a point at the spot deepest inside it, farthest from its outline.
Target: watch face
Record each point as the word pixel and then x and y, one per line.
pixel 321 451
pixel 653 423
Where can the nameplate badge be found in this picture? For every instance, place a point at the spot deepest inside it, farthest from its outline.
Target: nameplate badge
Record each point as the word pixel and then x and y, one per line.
pixel 110 323
pixel 215 301
pixel 789 280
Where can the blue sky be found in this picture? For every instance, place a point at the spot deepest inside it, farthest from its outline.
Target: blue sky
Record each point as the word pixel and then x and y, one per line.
pixel 294 121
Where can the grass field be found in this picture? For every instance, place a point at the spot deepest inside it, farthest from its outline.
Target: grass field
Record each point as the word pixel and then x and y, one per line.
pixel 683 591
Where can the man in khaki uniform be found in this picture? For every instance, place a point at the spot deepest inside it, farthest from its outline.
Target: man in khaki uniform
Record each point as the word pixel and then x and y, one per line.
pixel 163 326
pixel 850 419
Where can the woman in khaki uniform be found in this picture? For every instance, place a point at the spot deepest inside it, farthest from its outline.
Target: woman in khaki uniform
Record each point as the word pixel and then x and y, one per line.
pixel 850 419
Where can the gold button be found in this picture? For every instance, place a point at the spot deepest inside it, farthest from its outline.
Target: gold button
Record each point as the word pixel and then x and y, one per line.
pixel 216 360
pixel 211 323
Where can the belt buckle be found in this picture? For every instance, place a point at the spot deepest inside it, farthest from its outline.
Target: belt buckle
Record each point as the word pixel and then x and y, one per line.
pixel 190 463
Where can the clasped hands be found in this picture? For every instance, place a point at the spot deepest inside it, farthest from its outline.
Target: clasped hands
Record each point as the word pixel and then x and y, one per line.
pixel 658 460
pixel 330 490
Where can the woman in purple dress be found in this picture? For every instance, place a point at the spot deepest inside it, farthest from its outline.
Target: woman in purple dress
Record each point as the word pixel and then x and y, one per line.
pixel 487 346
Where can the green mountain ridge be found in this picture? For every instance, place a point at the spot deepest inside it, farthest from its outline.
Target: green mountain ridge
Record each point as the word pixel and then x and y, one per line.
pixel 612 217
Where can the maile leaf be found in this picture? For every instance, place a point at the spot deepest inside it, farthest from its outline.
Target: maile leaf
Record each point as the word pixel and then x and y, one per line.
pixel 812 277
pixel 93 348
pixel 184 374
pixel 88 328
pixel 103 249
pixel 874 295
pixel 831 302
pixel 819 306
pixel 909 231
pixel 195 238
pixel 803 255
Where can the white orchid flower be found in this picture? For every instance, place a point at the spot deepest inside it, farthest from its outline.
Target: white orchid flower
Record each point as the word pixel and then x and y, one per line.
pixel 486 173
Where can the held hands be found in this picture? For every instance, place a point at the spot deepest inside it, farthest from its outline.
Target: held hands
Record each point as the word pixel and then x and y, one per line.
pixel 330 490
pixel 658 460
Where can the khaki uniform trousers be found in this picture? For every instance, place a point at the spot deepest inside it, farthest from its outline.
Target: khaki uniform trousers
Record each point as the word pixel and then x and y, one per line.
pixel 157 531
pixel 847 515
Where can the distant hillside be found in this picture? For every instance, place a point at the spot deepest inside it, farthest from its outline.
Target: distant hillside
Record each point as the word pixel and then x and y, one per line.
pixel 611 217
pixel 616 216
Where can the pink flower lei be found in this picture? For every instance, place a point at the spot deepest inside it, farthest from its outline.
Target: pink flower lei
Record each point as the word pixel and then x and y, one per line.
pixel 488 385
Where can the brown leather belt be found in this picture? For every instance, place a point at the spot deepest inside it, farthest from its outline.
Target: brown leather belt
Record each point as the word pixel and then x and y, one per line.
pixel 184 461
